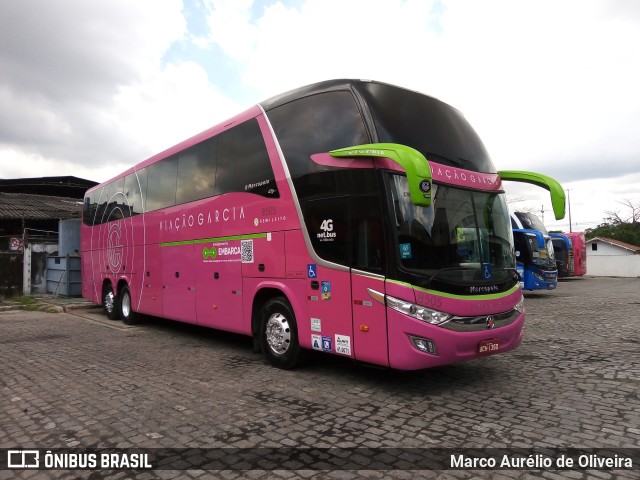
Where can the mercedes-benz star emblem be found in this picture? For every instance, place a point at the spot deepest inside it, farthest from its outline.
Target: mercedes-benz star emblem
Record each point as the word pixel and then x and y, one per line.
pixel 490 322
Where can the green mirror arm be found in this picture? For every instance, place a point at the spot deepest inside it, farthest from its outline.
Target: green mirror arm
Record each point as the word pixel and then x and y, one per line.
pixel 411 160
pixel 540 180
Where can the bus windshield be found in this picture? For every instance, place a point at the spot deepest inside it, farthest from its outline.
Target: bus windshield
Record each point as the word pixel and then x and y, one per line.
pixel 531 222
pixel 543 257
pixel 530 252
pixel 438 131
pixel 464 238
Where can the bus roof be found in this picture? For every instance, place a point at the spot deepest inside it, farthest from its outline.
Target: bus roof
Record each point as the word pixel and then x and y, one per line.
pixel 327 86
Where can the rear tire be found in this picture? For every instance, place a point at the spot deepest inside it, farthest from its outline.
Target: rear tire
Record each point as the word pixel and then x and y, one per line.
pixel 279 334
pixel 110 303
pixel 129 317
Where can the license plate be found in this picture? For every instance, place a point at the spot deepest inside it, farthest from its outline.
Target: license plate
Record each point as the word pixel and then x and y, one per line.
pixel 487 347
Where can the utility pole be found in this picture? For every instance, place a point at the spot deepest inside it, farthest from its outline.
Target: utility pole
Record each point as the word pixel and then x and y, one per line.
pixel 569 202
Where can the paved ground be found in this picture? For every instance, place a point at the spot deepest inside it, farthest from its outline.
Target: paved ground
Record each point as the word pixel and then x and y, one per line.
pixel 79 380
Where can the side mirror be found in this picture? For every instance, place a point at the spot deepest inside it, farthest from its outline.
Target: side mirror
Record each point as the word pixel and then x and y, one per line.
pixel 411 160
pixel 540 180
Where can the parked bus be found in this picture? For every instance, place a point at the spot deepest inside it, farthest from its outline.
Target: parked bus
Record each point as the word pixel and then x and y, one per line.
pixel 535 256
pixel 351 217
pixel 579 246
pixel 563 251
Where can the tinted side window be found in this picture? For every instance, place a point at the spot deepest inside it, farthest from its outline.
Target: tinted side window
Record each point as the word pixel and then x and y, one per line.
pixel 367 232
pixel 340 181
pixel 88 209
pixel 343 215
pixel 100 204
pixel 243 162
pixel 521 244
pixel 348 231
pixel 117 207
pixel 196 172
pixel 135 187
pixel 316 124
pixel 327 221
pixel 161 184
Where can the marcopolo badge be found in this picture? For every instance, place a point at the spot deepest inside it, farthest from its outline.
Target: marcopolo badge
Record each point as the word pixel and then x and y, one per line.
pixel 425 188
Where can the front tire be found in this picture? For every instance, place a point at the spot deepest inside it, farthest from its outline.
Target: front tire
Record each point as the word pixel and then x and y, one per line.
pixel 129 317
pixel 279 334
pixel 110 303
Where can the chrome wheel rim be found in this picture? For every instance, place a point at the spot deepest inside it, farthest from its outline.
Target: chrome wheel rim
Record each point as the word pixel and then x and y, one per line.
pixel 126 305
pixel 108 301
pixel 278 333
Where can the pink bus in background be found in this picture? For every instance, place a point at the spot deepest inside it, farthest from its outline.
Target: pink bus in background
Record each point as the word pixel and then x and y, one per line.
pixel 351 217
pixel 579 246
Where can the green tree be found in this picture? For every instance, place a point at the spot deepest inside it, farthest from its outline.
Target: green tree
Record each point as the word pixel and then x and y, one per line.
pixel 622 227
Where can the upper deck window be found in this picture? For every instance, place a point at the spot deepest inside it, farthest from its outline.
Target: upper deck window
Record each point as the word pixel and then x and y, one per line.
pixel 316 124
pixel 243 162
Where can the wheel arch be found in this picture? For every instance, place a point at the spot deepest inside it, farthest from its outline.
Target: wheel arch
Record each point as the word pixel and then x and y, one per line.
pixel 106 282
pixel 261 297
pixel 121 283
pixel 264 292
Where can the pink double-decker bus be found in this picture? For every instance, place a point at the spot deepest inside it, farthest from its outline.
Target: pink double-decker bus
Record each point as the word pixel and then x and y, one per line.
pixel 351 217
pixel 579 248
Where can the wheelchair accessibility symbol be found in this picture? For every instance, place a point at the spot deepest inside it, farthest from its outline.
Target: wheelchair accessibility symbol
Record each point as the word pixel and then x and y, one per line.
pixel 486 271
pixel 311 270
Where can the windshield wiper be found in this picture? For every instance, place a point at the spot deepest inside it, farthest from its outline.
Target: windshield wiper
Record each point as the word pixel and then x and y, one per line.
pixel 438 272
pixel 514 273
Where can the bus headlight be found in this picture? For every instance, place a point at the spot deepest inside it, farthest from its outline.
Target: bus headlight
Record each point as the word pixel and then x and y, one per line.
pixel 419 312
pixel 520 305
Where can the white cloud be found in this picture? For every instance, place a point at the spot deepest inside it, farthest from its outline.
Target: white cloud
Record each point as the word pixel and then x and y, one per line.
pixel 320 39
pixel 85 88
pixel 172 105
pixel 540 81
pixel 231 28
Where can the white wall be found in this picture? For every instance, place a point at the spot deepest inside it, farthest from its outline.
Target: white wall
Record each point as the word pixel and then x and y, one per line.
pixel 612 265
pixel 606 249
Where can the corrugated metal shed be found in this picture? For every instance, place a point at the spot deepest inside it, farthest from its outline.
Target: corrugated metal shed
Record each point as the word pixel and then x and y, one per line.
pixel 72 187
pixel 38 207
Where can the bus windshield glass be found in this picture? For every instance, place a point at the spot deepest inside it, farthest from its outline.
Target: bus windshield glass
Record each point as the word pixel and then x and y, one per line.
pixel 543 257
pixel 438 131
pixel 530 221
pixel 464 238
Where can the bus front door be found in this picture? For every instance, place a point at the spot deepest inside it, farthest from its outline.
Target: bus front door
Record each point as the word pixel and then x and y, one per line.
pixel 369 319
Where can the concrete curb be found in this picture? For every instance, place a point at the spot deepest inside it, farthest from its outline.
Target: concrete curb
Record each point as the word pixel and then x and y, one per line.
pixel 80 306
pixel 10 308
pixel 50 305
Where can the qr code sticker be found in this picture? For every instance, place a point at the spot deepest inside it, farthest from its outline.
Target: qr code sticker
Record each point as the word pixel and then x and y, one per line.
pixel 246 247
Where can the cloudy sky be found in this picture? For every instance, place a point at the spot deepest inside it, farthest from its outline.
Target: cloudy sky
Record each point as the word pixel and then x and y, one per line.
pixel 89 88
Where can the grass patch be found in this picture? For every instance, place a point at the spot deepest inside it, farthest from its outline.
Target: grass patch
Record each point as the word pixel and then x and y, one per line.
pixel 31 304
pixel 26 300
